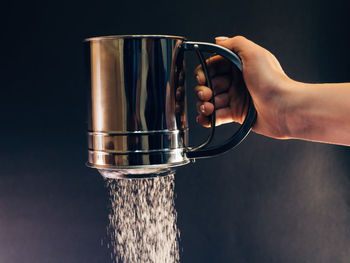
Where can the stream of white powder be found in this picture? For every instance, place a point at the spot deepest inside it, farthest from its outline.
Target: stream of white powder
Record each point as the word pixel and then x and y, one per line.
pixel 142 220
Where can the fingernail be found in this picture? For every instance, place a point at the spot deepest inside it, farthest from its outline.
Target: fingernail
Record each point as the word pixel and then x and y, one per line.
pixel 202 108
pixel 200 94
pixel 221 38
pixel 197 78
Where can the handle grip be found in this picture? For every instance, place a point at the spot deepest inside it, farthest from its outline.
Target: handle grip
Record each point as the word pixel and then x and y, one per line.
pixel 245 128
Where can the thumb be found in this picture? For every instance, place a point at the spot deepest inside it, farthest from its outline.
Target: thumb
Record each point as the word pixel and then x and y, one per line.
pixel 237 44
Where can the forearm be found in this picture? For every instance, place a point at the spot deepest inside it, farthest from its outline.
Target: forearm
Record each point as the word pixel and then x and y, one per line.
pixel 319 112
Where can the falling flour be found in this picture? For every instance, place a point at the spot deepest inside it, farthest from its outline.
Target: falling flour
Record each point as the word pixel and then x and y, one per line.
pixel 142 220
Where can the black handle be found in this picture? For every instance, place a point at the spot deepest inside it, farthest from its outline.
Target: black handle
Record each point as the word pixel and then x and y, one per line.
pixel 246 126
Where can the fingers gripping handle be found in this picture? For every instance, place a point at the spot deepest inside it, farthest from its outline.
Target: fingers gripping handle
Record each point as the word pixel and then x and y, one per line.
pixel 212 100
pixel 245 128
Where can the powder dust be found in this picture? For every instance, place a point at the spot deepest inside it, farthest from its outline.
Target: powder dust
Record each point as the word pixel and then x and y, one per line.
pixel 142 220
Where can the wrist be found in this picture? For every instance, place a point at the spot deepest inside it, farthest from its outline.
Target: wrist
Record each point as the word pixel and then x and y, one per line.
pixel 277 118
pixel 297 121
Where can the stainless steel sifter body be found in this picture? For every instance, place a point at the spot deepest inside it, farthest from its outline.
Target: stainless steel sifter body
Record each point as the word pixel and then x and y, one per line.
pixel 137 121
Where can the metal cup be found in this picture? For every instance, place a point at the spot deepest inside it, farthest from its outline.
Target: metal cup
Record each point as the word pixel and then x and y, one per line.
pixel 137 103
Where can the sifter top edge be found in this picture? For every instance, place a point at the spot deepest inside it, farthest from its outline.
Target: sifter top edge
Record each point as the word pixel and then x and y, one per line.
pixel 131 36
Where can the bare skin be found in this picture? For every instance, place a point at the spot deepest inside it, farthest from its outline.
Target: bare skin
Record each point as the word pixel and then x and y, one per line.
pixel 286 109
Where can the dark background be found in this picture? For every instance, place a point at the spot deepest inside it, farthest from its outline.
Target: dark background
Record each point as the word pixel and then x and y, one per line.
pixel 266 201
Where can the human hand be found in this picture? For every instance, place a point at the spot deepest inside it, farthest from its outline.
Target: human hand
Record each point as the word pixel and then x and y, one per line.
pixel 265 81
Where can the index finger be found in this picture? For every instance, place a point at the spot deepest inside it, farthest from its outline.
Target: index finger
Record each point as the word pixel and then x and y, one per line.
pixel 217 65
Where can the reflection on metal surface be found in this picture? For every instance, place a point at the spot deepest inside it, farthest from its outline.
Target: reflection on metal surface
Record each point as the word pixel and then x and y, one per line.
pixel 135 116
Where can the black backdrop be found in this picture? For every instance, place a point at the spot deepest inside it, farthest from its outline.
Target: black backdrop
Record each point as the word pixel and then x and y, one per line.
pixel 266 201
